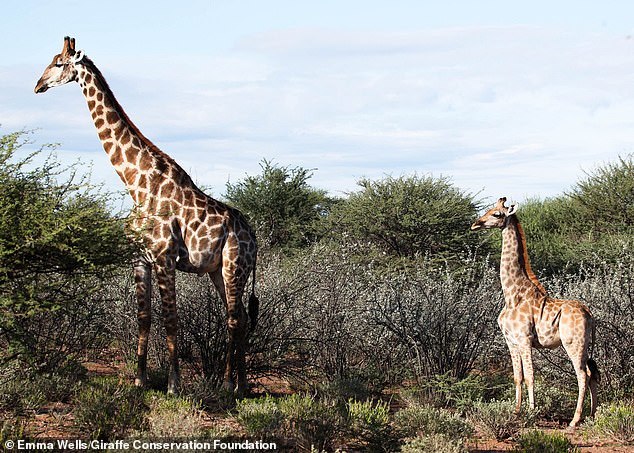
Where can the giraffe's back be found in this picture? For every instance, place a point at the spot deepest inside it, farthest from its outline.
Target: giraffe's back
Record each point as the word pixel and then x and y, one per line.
pixel 213 233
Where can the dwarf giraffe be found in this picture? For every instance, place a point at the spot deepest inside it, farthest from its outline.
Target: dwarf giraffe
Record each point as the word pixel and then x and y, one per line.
pixel 530 318
pixel 179 226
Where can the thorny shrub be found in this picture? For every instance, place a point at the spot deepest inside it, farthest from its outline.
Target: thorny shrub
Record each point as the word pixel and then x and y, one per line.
pixel 537 441
pixel 499 420
pixel 615 420
pixel 107 410
pixel 438 443
pixel 260 417
pixel 170 417
pixel 417 420
pixel 445 321
pixel 370 421
pixel 302 419
pixel 326 317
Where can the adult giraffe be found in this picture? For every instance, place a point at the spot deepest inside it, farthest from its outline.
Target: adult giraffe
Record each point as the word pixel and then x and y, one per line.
pixel 180 227
pixel 531 318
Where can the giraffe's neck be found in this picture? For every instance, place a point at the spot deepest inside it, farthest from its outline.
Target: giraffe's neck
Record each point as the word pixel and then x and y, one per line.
pixel 138 162
pixel 516 274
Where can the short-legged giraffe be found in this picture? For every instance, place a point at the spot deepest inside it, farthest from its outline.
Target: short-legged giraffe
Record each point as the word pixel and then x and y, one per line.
pixel 180 227
pixel 530 318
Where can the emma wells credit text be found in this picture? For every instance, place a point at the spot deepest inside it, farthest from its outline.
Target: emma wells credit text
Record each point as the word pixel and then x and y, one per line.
pixel 70 445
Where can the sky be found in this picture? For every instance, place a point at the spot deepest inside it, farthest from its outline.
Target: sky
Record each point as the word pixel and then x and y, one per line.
pixel 515 99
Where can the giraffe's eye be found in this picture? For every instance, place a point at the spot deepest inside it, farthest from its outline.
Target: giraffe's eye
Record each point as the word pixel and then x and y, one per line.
pixel 59 64
pixel 497 214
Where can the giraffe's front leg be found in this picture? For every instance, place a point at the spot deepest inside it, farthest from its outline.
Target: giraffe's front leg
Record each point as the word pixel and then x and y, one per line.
pixel 165 274
pixel 527 365
pixel 518 376
pixel 143 281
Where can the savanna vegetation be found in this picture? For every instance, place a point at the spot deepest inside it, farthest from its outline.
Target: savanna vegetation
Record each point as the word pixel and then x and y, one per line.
pixel 377 323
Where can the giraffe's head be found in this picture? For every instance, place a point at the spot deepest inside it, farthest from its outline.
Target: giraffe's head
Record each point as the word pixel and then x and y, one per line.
pixel 62 69
pixel 496 217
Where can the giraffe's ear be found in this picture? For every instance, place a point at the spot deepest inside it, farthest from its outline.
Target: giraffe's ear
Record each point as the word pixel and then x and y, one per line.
pixel 500 203
pixel 512 209
pixel 78 56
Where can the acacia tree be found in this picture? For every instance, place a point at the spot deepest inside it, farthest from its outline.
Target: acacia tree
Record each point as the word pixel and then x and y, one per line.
pixel 281 205
pixel 407 217
pixel 58 246
pixel 593 222
pixel 605 198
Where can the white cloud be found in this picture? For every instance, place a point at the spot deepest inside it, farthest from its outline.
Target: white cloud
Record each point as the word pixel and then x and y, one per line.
pixel 518 110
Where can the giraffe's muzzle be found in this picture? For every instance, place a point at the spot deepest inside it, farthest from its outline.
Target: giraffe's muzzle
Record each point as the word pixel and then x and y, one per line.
pixel 41 87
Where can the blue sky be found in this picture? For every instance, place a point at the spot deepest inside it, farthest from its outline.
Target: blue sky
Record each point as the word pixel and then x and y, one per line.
pixel 506 99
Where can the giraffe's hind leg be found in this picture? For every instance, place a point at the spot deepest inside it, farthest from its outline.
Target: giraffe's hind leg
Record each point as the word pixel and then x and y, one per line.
pixel 231 289
pixel 576 334
pixel 237 330
pixel 578 355
pixel 143 281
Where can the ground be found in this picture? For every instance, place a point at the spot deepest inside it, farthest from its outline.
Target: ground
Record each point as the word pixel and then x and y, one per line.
pixel 55 421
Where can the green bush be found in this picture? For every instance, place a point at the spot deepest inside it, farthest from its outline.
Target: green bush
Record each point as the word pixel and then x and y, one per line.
pixel 18 396
pixel 408 217
pixel 499 420
pixel 310 422
pixel 370 422
pixel 261 416
pixel 34 390
pixel 536 441
pixel 106 409
pixel 59 245
pixel 593 222
pixel 419 420
pixel 616 421
pixel 208 395
pixel 301 418
pixel 437 443
pixel 282 207
pixel 357 386
pixel 556 403
pixel 170 417
pixel 605 198
pixel 444 390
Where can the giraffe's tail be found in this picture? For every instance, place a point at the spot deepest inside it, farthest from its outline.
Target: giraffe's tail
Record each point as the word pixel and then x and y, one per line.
pixel 254 303
pixel 593 370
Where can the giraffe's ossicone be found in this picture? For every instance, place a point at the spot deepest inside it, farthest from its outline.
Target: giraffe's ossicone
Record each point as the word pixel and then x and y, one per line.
pixel 179 226
pixel 531 318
